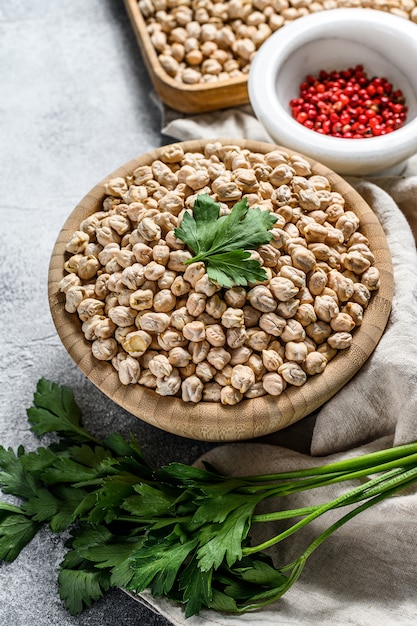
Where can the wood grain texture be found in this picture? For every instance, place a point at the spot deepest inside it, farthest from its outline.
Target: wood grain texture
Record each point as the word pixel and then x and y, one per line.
pixel 250 418
pixel 198 98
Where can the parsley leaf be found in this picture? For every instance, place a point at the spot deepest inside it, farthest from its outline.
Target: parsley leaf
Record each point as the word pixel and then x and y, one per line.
pixel 16 531
pixel 14 478
pixel 80 587
pixel 55 410
pixel 224 541
pixel 222 242
pixel 106 550
pixel 234 268
pixel 110 496
pixel 67 499
pixel 157 563
pixel 196 587
pixel 150 502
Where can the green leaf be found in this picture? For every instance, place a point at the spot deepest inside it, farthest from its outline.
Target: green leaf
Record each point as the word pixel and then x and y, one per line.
pixel 42 506
pixel 150 502
pixel 224 541
pixel 14 478
pixel 261 573
pixel 130 456
pixel 222 242
pixel 234 268
pixel 86 535
pixel 222 602
pixel 114 557
pixel 179 474
pixel 68 499
pixel 67 471
pixel 55 411
pixel 9 508
pixel 199 230
pixel 80 588
pixel 110 497
pixel 57 507
pixel 91 456
pixel 196 586
pixel 16 531
pixel 36 462
pixel 217 508
pixel 252 579
pixel 251 231
pixel 97 548
pixel 157 565
pixel 57 399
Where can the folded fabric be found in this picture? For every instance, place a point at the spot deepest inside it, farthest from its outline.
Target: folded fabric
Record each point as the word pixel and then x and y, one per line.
pixel 365 573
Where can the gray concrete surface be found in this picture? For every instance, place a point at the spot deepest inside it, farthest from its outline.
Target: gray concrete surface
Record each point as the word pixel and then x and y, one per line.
pixel 74 105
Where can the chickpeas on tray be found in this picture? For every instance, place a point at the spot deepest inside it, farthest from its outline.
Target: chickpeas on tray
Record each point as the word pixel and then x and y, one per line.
pixel 215 360
pixel 198 52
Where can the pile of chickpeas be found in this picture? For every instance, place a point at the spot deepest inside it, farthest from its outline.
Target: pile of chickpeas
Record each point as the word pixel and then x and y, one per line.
pixel 202 41
pixel 160 320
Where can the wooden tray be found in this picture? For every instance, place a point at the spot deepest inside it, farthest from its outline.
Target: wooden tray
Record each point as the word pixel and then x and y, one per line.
pixel 197 98
pixel 211 421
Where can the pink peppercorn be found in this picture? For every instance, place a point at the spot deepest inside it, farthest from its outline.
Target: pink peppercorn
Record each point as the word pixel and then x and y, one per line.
pixel 348 104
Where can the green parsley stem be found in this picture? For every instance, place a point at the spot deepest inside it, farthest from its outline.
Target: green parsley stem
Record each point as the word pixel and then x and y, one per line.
pixel 320 480
pixel 84 433
pixel 297 566
pixel 370 461
pixel 393 478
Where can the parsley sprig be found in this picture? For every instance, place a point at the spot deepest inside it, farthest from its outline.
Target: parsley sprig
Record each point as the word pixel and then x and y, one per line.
pixel 180 531
pixel 223 242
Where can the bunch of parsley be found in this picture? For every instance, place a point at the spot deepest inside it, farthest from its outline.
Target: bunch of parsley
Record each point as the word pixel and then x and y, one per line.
pixel 180 531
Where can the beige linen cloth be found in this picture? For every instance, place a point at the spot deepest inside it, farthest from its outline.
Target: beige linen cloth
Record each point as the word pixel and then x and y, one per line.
pixel 366 573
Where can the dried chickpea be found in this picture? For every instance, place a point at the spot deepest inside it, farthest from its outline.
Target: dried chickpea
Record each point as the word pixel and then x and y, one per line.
pixel 233 318
pixel 242 378
pixel 230 396
pixel 169 385
pixel 137 342
pixel 236 337
pixel 164 301
pixel 273 383
pixel 240 355
pixel 218 358
pixel 160 366
pixel 292 374
pixel 129 371
pixel 282 288
pixel 257 339
pixel 271 360
pixel 261 298
pixel 154 322
pixel 215 335
pixel 192 389
pixel 296 351
pixel 340 340
pixel 104 349
pixel 141 299
pixel 314 363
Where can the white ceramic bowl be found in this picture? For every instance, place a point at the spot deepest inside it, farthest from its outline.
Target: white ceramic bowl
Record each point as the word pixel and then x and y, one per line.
pixel 386 45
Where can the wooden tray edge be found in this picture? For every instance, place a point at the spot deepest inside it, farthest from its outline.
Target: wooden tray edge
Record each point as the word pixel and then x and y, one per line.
pixel 184 98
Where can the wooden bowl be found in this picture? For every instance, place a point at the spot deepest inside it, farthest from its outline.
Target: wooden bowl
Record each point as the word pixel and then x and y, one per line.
pixel 209 421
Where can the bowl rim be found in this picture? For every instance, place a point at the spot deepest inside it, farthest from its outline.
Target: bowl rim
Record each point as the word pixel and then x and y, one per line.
pixel 209 421
pixel 272 55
